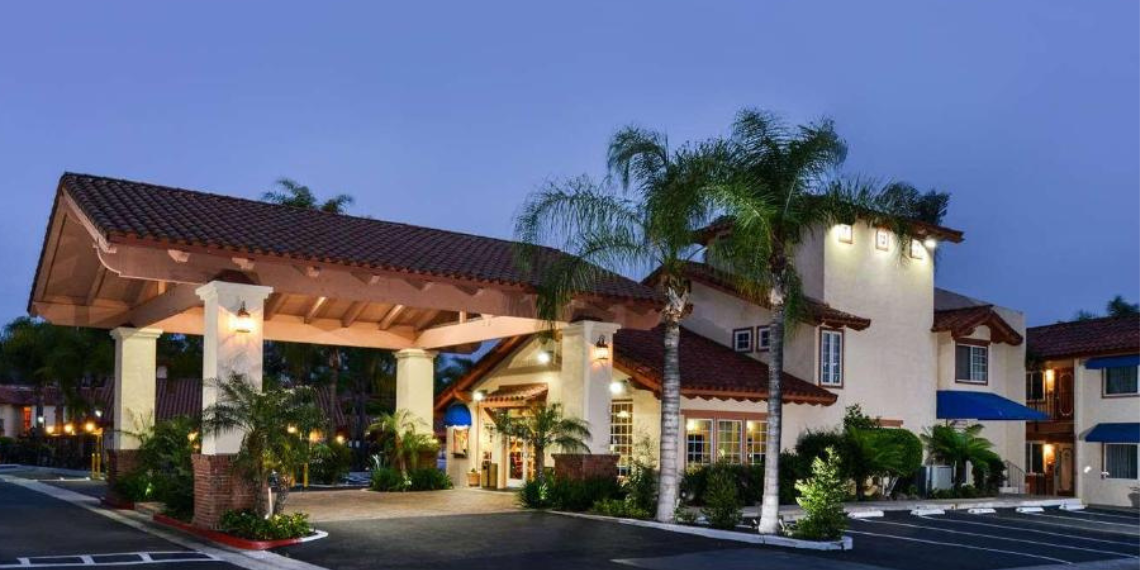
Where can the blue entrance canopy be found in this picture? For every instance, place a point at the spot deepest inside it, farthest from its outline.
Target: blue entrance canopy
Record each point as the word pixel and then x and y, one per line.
pixel 1115 433
pixel 1113 362
pixel 964 405
pixel 457 415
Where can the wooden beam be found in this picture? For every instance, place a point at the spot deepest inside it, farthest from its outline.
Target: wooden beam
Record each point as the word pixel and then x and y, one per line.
pixel 390 317
pixel 273 304
pixel 176 300
pixel 96 285
pixel 178 255
pixel 314 307
pixel 353 313
pixel 144 293
pixel 478 330
pixel 425 319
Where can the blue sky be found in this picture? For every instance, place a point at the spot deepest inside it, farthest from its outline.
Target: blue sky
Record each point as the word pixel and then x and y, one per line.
pixel 448 114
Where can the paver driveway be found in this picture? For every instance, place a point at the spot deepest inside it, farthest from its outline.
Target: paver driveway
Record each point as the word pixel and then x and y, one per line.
pixel 344 505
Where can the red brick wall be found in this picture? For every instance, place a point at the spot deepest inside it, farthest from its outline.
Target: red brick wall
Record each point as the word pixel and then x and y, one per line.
pixel 119 462
pixel 217 489
pixel 584 466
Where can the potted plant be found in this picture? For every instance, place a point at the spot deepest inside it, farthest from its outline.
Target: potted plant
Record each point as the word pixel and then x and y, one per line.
pixel 472 478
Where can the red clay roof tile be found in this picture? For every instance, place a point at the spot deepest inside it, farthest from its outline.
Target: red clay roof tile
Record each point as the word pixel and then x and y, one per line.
pixel 1094 337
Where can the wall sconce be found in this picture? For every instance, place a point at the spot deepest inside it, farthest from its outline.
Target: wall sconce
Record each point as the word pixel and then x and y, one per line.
pixel 882 240
pixel 617 387
pixel 478 395
pixel 543 356
pixel 845 233
pixel 1050 377
pixel 243 321
pixel 601 349
pixel 917 251
pixel 930 243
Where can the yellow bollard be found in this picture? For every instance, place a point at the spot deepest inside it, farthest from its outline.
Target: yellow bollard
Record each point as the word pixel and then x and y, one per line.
pixel 305 477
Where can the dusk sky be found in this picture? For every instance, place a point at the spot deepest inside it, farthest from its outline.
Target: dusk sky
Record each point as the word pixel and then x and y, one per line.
pixel 447 115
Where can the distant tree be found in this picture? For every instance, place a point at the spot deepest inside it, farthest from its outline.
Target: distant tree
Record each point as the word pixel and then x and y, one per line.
pixel 449 369
pixel 1118 307
pixel 297 195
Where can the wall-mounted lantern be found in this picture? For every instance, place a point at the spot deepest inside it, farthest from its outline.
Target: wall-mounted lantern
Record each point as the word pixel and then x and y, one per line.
pixel 845 233
pixel 243 321
pixel 601 349
pixel 543 357
pixel 930 243
pixel 618 387
pixel 478 395
pixel 1050 378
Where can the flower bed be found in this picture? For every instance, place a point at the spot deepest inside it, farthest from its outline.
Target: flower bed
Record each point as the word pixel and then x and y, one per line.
pixel 235 541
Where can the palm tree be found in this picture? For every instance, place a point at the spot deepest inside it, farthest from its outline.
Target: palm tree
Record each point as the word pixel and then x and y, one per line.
pixel 273 423
pixel 544 427
pixel 780 185
pixel 958 448
pixel 400 426
pixel 653 227
pixel 368 370
pixel 299 196
pixel 1119 307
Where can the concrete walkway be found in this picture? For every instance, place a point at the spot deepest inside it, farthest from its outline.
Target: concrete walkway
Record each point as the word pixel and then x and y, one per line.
pixel 364 504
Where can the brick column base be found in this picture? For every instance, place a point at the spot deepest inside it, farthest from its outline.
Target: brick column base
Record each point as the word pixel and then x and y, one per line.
pixel 217 489
pixel 578 467
pixel 119 462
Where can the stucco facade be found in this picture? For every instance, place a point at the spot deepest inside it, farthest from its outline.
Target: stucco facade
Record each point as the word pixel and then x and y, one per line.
pixel 1094 484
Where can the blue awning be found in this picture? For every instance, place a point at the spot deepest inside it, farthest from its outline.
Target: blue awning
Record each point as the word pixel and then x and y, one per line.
pixel 457 415
pixel 963 405
pixel 1113 362
pixel 1114 433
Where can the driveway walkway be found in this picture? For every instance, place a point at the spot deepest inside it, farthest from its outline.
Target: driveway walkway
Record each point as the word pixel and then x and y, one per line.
pixel 345 505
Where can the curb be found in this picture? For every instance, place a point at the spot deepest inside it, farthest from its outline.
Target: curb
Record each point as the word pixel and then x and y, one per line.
pixel 233 541
pixel 846 543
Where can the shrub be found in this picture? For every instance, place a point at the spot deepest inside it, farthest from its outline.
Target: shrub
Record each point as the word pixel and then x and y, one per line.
pixel 682 515
pixel 579 495
pixel 387 479
pixel 164 452
pixel 748 479
pixel 428 479
pixel 247 524
pixel 641 488
pixel 535 495
pixel 721 499
pixel 329 462
pixel 822 500
pixel 619 508
pixel 134 486
pixel 989 475
pixel 789 469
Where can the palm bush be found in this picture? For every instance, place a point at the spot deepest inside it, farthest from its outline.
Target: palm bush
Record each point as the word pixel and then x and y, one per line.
pixel 821 498
pixel 959 448
pixel 329 462
pixel 164 455
pixel 404 443
pixel 271 423
pixel 544 427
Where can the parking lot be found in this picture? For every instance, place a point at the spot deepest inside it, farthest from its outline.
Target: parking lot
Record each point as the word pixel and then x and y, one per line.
pixel 1003 539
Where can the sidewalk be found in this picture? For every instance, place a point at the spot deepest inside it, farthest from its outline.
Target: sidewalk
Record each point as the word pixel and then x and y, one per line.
pixel 793 512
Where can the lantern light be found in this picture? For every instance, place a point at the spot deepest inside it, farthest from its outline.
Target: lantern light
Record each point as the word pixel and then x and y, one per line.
pixel 339 438
pixel 543 356
pixel 68 428
pixel 617 387
pixel 601 349
pixel 930 243
pixel 845 233
pixel 89 427
pixel 50 429
pixel 192 436
pixel 243 321
pixel 478 395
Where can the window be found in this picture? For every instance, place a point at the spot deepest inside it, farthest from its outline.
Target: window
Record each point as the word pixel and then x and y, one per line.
pixel 1034 386
pixel 756 434
pixel 621 433
pixel 1035 456
pixel 831 358
pixel 742 340
pixel 698 442
pixel 972 363
pixel 1120 381
pixel 763 339
pixel 728 440
pixel 1120 460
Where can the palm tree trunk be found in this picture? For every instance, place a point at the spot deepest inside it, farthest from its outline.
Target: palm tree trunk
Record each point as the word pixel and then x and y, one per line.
pixel 539 462
pixel 667 481
pixel 770 506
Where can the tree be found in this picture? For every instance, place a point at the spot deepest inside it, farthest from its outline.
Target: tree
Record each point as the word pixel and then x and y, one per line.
pixel 399 426
pixel 651 222
pixel 780 186
pixel 544 427
pixel 370 371
pixel 296 195
pixel 957 448
pixel 1118 307
pixel 448 369
pixel 275 424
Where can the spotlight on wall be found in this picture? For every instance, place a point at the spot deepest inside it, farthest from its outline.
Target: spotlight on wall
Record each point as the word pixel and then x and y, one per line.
pixel 243 321
pixel 601 349
pixel 617 387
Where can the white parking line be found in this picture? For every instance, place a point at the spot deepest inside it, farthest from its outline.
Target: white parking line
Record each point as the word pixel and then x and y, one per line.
pixel 88 560
pixel 1035 531
pixel 1029 519
pixel 959 545
pixel 1135 520
pixel 1007 539
pixel 1133 526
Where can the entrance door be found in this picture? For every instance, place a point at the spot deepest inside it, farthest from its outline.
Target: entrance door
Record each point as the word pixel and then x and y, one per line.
pixel 1065 466
pixel 518 457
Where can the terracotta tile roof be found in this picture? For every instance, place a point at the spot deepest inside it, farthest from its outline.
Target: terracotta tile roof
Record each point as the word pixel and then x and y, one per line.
pixel 961 322
pixel 517 393
pixel 126 210
pixel 708 369
pixel 1094 337
pixel 818 312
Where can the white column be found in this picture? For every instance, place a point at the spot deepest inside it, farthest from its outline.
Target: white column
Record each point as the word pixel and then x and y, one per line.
pixel 135 367
pixel 226 351
pixel 586 379
pixel 415 384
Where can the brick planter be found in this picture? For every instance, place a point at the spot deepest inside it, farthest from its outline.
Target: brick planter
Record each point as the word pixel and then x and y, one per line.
pixel 578 467
pixel 119 462
pixel 217 489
